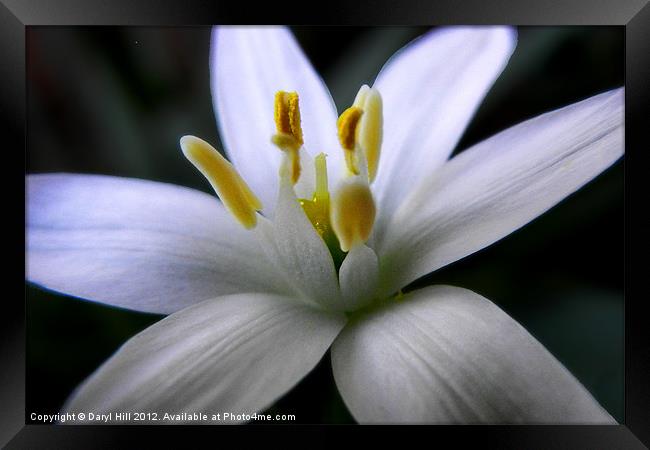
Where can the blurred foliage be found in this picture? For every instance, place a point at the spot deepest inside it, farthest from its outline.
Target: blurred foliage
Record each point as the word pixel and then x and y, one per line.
pixel 116 100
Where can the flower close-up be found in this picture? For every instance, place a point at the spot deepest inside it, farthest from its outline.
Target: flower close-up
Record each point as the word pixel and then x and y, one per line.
pixel 324 219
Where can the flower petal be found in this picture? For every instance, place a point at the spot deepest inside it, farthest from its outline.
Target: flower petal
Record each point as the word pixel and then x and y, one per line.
pixel 358 276
pixel 138 244
pixel 430 90
pixel 302 253
pixel 248 66
pixel 499 185
pixel 448 355
pixel 237 354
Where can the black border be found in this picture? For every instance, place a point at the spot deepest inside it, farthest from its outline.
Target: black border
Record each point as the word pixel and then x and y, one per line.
pixel 15 15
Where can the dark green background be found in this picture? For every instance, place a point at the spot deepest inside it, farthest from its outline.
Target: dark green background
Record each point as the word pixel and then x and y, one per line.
pixel 116 100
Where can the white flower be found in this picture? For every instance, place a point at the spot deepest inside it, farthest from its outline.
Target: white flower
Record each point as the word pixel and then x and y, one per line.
pixel 252 309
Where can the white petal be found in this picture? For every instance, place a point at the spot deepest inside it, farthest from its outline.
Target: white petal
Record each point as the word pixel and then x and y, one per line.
pixel 138 244
pixel 499 185
pixel 248 65
pixel 358 276
pixel 431 89
pixel 237 354
pixel 447 355
pixel 302 254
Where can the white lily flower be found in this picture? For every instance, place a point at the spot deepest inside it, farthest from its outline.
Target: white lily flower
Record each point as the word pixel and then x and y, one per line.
pixel 328 241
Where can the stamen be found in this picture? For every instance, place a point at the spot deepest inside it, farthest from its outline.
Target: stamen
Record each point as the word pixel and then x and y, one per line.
pixel 369 135
pixel 353 212
pixel 233 191
pixel 281 113
pixel 289 131
pixel 347 131
pixel 287 116
pixel 294 117
pixel 360 132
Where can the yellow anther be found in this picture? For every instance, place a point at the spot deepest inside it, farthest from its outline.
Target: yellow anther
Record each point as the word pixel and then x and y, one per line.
pixel 287 119
pixel 294 117
pixel 347 127
pixel 233 191
pixel 360 129
pixel 347 130
pixel 281 113
pixel 370 129
pixel 289 131
pixel 352 212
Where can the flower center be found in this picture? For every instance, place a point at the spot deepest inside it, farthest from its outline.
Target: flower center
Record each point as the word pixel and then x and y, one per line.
pixel 343 220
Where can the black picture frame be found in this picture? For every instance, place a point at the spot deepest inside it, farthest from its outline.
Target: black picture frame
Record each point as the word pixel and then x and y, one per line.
pixel 634 15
